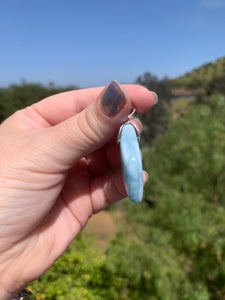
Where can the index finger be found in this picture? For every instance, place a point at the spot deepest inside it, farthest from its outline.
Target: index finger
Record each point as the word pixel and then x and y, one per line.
pixel 60 107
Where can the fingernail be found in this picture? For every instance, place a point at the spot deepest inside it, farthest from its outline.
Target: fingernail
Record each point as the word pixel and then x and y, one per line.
pixel 139 124
pixel 145 175
pixel 156 97
pixel 113 99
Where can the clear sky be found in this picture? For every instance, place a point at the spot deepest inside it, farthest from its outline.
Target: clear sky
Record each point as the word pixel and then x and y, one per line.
pixel 89 43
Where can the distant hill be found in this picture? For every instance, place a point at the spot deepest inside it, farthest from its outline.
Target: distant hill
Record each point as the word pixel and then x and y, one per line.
pixel 201 76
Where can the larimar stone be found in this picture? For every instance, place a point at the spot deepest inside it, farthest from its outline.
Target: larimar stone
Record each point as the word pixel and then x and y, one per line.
pixel 131 163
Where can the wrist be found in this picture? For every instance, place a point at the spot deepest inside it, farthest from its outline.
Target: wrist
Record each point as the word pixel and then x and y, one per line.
pixel 22 294
pixel 6 294
pixel 19 295
pixel 8 286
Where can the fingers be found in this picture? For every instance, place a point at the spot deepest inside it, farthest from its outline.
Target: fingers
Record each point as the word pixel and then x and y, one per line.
pixel 107 159
pixel 107 190
pixel 90 129
pixel 80 201
pixel 80 198
pixel 58 108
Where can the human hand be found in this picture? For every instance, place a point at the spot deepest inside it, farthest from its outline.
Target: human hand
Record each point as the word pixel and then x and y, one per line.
pixel 59 164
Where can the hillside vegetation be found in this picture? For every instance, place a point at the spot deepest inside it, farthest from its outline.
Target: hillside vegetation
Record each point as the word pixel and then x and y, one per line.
pixel 16 97
pixel 200 77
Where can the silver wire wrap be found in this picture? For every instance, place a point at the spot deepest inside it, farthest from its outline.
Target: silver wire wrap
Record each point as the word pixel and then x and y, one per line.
pixel 128 122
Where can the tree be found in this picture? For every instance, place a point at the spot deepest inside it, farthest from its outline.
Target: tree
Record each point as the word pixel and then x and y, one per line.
pixel 155 121
pixel 161 87
pixel 216 85
pixel 16 97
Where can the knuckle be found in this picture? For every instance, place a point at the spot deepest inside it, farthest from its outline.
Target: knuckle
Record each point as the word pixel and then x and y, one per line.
pixel 90 128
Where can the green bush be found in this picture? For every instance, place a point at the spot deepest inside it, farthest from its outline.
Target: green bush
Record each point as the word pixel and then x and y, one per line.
pixel 16 97
pixel 187 167
pixel 190 156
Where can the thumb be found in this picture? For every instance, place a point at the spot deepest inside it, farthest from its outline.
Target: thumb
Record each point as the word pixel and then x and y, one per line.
pixel 90 129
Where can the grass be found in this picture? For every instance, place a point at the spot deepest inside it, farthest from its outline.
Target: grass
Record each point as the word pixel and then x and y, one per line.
pixel 180 106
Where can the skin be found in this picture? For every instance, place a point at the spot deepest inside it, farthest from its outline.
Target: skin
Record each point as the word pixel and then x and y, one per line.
pixel 59 165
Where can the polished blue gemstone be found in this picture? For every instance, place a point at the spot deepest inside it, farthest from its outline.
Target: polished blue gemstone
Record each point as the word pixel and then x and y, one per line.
pixel 131 163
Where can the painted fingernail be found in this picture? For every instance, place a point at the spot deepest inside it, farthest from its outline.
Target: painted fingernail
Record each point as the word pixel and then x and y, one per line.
pixel 113 99
pixel 156 98
pixel 137 122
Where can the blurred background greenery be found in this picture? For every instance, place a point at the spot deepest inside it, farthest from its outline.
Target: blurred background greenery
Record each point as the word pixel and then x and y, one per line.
pixel 172 245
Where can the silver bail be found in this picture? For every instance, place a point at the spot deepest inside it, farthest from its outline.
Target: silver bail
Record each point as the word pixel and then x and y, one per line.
pixel 128 122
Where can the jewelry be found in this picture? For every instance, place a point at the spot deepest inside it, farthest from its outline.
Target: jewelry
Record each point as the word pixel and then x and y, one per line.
pixel 22 295
pixel 131 161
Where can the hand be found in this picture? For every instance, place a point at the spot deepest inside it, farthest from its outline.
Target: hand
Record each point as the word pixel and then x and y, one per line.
pixel 59 164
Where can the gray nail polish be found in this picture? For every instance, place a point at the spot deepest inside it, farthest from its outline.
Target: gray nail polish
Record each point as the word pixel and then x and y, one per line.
pixel 113 99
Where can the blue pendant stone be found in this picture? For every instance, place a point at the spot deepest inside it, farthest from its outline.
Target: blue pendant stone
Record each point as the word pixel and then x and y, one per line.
pixel 131 163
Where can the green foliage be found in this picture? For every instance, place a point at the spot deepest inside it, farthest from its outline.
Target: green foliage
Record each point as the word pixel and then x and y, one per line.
pixel 152 267
pixel 180 106
pixel 189 233
pixel 200 77
pixel 16 97
pixel 187 166
pixel 216 85
pixel 73 275
pixel 161 87
pixel 195 161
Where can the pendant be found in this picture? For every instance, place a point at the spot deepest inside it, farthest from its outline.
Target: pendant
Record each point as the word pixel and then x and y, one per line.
pixel 131 161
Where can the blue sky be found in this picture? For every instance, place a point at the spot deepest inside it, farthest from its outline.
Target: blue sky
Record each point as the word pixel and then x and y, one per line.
pixel 89 43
